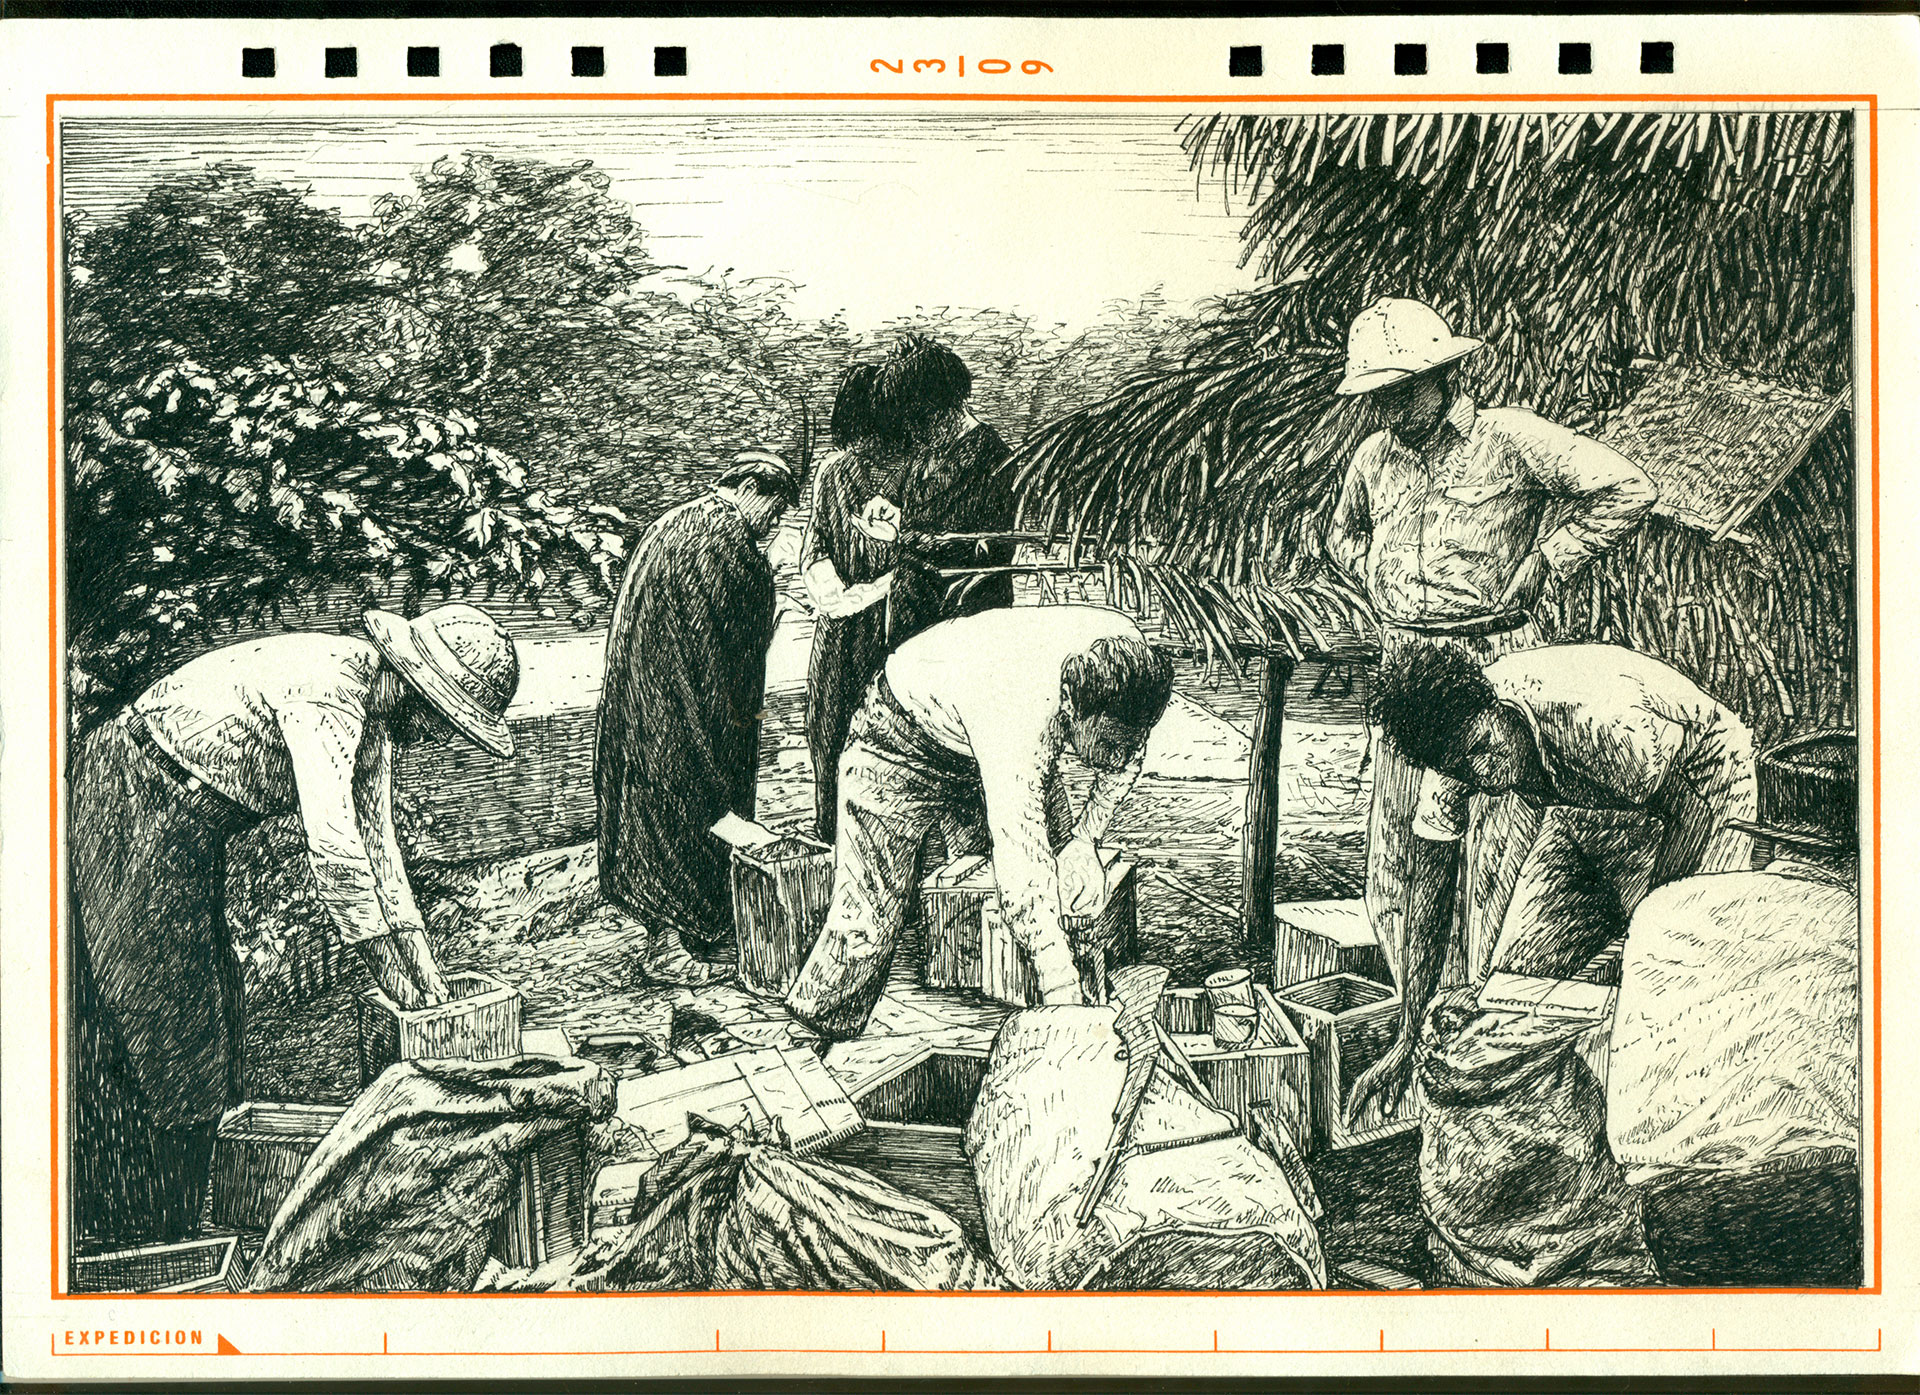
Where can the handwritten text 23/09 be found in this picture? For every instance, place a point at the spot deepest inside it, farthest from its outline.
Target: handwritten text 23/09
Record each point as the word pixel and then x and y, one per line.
pixel 991 67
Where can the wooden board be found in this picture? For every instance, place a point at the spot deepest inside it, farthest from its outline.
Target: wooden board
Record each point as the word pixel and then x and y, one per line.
pixel 752 1089
pixel 1312 939
pixel 188 1266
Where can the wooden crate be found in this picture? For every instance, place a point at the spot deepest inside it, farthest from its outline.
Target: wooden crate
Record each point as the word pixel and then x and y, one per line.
pixel 914 1139
pixel 1272 1070
pixel 970 946
pixel 781 892
pixel 258 1153
pixel 1312 939
pixel 481 1022
pixel 209 1265
pixel 546 1215
pixel 785 1086
pixel 1348 1023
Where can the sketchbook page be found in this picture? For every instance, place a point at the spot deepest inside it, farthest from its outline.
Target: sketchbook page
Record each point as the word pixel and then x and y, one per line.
pixel 1412 490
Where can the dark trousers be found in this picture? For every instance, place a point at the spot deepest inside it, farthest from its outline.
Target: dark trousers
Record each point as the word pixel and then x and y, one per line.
pixel 155 1033
pixel 1797 1228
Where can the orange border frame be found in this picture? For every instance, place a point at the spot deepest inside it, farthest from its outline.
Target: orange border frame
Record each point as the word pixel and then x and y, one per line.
pixel 1853 100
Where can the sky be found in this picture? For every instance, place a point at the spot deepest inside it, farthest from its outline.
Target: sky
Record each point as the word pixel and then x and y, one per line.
pixel 873 216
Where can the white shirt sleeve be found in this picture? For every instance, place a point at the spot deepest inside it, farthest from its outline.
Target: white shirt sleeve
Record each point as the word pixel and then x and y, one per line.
pixel 323 744
pixel 1441 815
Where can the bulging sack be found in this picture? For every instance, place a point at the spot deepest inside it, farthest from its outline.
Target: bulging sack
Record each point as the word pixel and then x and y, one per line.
pixel 1178 1214
pixel 1516 1180
pixel 730 1212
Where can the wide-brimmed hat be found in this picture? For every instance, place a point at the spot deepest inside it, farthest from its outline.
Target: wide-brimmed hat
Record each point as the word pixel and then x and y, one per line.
pixel 459 659
pixel 1391 340
pixel 1809 792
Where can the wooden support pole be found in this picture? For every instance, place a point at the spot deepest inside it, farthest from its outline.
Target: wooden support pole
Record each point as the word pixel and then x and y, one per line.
pixel 1258 844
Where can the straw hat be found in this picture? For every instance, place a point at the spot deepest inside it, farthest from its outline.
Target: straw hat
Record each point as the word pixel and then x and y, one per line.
pixel 1391 340
pixel 459 659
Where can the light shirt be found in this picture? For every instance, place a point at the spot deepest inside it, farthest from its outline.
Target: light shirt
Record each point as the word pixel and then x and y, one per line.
pixel 1612 726
pixel 281 723
pixel 1437 533
pixel 1736 1039
pixel 988 686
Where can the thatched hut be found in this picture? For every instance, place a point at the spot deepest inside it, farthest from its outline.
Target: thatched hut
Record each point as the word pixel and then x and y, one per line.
pixel 1583 247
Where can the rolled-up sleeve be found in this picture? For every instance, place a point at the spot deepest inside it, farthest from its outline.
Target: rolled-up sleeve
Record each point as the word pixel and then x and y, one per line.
pixel 323 743
pixel 1609 495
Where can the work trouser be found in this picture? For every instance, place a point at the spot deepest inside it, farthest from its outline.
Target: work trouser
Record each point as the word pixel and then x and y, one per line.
pixel 897 785
pixel 1395 798
pixel 155 1034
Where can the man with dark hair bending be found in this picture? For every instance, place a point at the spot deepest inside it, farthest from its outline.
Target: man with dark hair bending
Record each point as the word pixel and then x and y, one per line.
pixel 963 730
pixel 1646 770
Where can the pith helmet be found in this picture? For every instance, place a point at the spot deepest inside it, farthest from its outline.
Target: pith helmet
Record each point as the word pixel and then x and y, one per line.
pixel 459 659
pixel 1391 340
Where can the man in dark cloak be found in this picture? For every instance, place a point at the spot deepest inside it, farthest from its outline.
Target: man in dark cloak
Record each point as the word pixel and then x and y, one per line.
pixel 679 737
pixel 914 467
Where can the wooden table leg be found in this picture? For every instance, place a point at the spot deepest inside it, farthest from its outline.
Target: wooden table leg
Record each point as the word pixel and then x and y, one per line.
pixel 1262 825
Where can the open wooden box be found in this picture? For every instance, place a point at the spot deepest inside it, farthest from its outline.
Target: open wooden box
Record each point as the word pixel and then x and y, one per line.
pixel 479 1022
pixel 208 1265
pixel 916 1120
pixel 1271 1070
pixel 257 1154
pixel 781 891
pixel 1347 1023
pixel 969 944
pixel 1312 939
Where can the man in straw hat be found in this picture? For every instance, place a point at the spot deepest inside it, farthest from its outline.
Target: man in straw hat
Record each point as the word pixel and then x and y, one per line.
pixel 1452 520
pixel 294 723
pixel 679 737
pixel 1733 1082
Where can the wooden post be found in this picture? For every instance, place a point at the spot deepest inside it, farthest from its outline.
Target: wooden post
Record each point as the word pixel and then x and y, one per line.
pixel 1263 800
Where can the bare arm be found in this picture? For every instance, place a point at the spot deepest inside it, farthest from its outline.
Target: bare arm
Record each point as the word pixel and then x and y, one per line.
pixel 1350 533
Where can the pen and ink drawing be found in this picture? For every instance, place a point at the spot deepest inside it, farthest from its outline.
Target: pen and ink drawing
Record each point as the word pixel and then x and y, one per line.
pixel 1302 737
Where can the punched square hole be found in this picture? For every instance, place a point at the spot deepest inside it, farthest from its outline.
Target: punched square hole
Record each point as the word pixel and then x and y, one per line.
pixel 343 62
pixel 1490 58
pixel 1329 60
pixel 1244 60
pixel 1576 58
pixel 256 62
pixel 670 62
pixel 423 62
pixel 1656 56
pixel 1409 60
pixel 590 62
pixel 503 60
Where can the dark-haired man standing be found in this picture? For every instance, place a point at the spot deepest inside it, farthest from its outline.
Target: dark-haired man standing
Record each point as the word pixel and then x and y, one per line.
pixel 912 463
pixel 1651 774
pixel 963 730
pixel 679 736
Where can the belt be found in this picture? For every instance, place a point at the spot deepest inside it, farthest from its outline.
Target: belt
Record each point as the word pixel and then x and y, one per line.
pixel 193 789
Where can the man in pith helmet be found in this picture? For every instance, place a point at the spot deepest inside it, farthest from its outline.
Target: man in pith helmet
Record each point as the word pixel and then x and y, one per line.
pixel 1452 520
pixel 302 723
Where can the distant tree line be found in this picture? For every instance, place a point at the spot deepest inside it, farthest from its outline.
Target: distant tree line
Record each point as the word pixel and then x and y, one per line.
pixel 488 388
